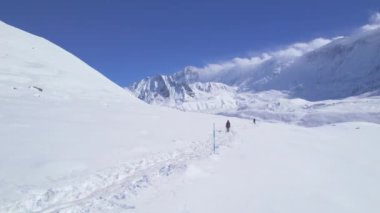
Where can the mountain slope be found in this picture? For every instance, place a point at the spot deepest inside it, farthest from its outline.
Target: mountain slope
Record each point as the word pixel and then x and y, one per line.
pixel 316 72
pixel 61 120
pixel 165 90
pixel 30 64
pixel 337 68
pixel 346 67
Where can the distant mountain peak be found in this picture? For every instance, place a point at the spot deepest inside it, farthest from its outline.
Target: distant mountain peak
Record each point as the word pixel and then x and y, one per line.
pixel 320 70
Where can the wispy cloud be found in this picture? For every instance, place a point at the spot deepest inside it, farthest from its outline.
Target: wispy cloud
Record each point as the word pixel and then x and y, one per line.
pixel 242 64
pixel 374 23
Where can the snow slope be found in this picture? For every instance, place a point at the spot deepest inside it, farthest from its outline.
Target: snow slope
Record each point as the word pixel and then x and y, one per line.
pixel 32 65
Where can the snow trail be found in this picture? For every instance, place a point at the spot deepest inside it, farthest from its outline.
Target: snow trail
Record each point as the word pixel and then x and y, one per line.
pixel 111 188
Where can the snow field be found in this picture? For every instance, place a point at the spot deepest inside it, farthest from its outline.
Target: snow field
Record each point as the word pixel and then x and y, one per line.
pixel 111 188
pixel 279 168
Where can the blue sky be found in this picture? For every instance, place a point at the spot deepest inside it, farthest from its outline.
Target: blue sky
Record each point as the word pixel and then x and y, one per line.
pixel 129 40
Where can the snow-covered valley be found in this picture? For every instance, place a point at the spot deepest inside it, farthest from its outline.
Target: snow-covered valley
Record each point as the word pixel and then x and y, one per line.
pixel 73 141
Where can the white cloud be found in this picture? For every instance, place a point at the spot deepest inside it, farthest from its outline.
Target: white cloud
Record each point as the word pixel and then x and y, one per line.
pixel 237 64
pixel 374 23
pixel 243 64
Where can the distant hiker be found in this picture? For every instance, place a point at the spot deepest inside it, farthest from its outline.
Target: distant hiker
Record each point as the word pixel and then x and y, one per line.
pixel 228 125
pixel 254 120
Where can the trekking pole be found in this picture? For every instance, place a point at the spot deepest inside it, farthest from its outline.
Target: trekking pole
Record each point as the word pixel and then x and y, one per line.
pixel 214 136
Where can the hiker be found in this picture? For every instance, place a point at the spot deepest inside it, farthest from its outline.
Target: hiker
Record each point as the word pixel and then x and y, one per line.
pixel 254 120
pixel 228 125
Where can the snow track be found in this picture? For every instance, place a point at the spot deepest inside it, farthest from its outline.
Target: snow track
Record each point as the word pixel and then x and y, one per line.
pixel 110 189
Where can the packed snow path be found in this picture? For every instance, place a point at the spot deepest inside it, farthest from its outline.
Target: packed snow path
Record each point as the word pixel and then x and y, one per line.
pixel 111 188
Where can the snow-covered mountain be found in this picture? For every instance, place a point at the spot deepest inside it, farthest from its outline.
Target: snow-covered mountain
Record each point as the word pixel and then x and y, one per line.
pixel 346 67
pixel 161 88
pixel 73 141
pixel 186 96
pixel 318 71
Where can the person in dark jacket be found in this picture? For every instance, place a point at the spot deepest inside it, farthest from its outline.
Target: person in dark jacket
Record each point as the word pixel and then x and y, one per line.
pixel 228 125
